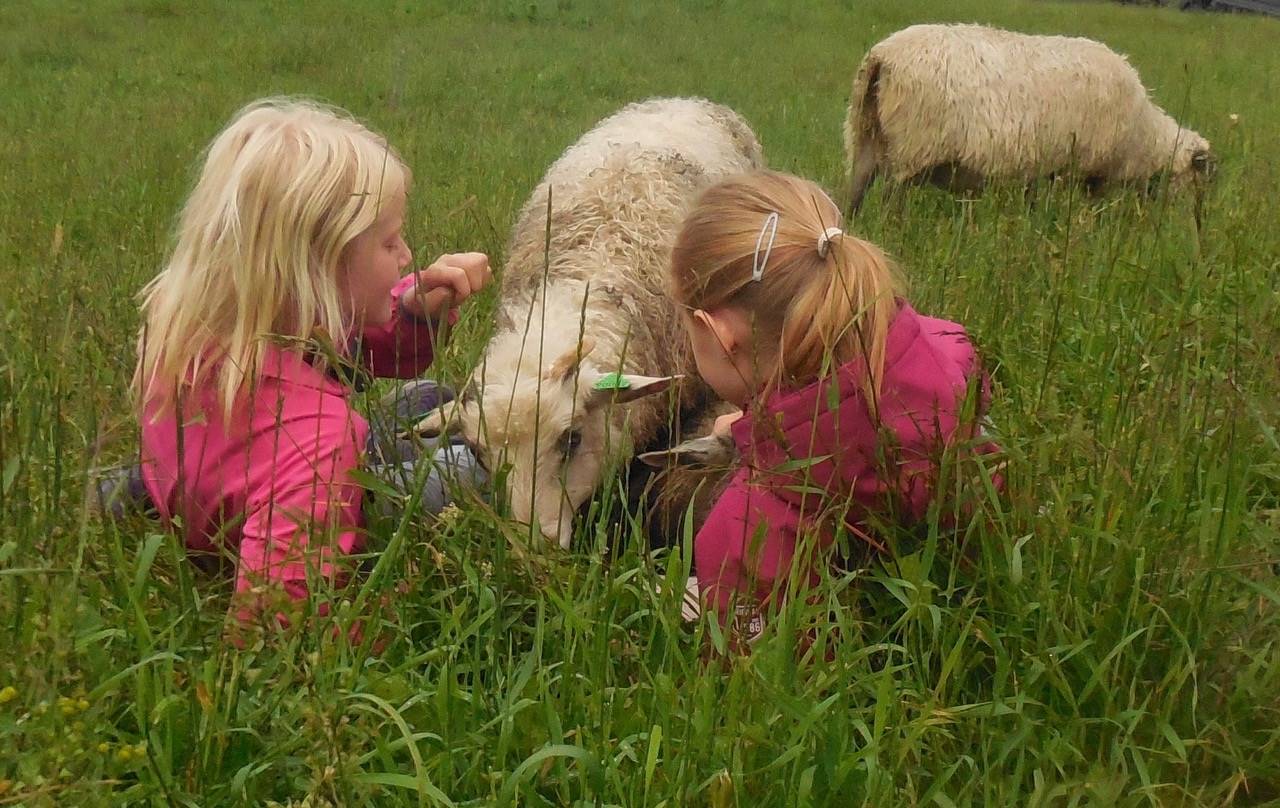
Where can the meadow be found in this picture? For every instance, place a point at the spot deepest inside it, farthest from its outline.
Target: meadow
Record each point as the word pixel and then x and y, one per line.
pixel 1109 635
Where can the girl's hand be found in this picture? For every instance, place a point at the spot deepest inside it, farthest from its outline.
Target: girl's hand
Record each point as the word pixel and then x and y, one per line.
pixel 723 424
pixel 444 285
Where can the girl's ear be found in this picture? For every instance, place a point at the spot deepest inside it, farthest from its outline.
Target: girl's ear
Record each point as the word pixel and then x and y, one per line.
pixel 720 326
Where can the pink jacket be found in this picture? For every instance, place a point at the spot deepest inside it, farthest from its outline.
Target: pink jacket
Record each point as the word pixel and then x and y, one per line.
pixel 820 453
pixel 266 485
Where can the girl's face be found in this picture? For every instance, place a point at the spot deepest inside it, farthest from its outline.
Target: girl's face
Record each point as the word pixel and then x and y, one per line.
pixel 722 348
pixel 373 264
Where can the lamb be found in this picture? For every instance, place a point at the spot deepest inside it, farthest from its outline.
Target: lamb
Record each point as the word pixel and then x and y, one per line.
pixel 583 309
pixel 955 104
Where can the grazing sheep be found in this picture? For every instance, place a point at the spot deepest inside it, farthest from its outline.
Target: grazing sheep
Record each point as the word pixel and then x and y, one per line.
pixel 956 104
pixel 583 297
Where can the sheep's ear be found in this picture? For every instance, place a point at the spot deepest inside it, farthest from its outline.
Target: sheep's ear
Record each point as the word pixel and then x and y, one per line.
pixel 623 387
pixel 566 366
pixel 443 421
pixel 708 451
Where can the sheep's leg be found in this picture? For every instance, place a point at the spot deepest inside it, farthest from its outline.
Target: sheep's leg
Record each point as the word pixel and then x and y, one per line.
pixel 864 171
pixel 952 177
pixel 1031 194
pixel 863 135
pixel 893 199
pixel 967 181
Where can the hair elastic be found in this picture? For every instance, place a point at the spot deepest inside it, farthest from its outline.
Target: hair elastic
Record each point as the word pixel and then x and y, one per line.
pixel 824 240
pixel 757 261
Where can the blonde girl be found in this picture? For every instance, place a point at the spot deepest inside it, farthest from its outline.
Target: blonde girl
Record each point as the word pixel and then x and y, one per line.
pixel 284 285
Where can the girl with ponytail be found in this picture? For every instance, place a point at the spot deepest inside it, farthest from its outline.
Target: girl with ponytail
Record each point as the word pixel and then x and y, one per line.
pixel 849 394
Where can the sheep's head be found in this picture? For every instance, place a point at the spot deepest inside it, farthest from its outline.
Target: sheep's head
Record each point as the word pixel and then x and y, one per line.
pixel 1194 161
pixel 557 432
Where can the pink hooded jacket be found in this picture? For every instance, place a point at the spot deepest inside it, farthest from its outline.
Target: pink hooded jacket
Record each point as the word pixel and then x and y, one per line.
pixel 823 450
pixel 263 487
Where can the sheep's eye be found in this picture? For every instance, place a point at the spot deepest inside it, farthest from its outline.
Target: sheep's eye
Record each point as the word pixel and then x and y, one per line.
pixel 570 441
pixel 1200 161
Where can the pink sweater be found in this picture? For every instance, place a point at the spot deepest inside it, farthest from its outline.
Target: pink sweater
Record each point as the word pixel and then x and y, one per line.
pixel 816 449
pixel 272 487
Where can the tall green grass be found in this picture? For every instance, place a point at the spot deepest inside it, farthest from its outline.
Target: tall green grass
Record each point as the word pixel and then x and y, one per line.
pixel 1108 637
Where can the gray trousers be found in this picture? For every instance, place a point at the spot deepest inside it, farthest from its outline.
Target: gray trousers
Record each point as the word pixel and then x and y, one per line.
pixel 436 468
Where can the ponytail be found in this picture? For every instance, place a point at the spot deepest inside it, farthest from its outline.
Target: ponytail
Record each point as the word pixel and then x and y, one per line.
pixel 841 316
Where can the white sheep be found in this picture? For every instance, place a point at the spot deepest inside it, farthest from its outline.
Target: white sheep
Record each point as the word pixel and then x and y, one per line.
pixel 956 104
pixel 584 297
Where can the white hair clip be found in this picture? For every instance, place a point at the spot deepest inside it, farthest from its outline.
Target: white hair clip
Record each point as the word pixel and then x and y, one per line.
pixel 758 261
pixel 824 240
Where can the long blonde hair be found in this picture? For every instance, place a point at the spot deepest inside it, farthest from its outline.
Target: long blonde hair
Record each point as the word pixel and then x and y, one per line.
pixel 811 310
pixel 284 188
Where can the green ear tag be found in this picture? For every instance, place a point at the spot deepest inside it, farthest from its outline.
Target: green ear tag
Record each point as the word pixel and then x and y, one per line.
pixel 612 381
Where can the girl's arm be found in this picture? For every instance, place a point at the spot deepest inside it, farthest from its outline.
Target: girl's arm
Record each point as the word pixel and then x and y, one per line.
pixel 423 303
pixel 403 347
